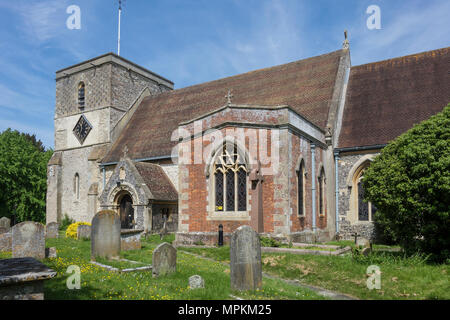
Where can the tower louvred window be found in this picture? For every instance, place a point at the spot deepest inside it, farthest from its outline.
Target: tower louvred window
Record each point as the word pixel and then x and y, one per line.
pixel 81 95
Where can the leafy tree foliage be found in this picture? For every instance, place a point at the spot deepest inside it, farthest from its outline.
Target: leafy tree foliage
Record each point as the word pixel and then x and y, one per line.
pixel 409 182
pixel 23 171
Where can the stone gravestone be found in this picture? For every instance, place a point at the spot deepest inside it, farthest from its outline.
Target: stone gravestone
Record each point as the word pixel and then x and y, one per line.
pixel 105 235
pixel 84 232
pixel 28 240
pixel 52 230
pixel 196 282
pixel 363 242
pixel 164 260
pixel 5 223
pixel 5 242
pixel 245 260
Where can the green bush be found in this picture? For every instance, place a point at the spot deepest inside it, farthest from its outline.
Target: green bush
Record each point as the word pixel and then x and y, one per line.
pixel 72 230
pixel 66 221
pixel 269 242
pixel 409 183
pixel 23 172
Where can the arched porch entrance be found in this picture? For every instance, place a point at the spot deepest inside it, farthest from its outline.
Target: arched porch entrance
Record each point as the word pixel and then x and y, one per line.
pixel 126 210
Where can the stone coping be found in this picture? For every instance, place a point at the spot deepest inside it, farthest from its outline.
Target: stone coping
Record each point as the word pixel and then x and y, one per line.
pixel 19 270
pixel 130 231
pixel 113 269
pixel 327 246
pixel 306 251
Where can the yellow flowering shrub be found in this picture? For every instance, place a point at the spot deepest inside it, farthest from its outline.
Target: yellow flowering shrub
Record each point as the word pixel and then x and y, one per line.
pixel 71 231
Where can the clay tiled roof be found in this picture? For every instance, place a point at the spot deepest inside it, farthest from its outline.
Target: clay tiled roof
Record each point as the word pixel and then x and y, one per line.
pixel 385 99
pixel 305 85
pixel 157 181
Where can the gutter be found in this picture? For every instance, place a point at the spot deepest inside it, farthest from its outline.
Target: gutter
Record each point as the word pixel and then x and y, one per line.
pixel 362 148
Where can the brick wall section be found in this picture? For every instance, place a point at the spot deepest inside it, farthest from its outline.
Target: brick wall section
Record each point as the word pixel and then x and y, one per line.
pixel 302 148
pixel 194 197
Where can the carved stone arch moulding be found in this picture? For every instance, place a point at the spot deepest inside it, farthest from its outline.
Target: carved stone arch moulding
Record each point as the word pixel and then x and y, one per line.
pixel 361 164
pixel 305 164
pixel 124 187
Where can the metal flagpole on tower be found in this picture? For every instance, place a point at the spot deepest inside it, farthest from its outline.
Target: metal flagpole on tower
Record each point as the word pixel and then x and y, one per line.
pixel 118 39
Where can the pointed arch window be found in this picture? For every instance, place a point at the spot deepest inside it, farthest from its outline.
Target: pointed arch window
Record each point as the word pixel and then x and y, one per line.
pixel 230 180
pixel 81 95
pixel 76 186
pixel 321 189
pixel 301 189
pixel 366 210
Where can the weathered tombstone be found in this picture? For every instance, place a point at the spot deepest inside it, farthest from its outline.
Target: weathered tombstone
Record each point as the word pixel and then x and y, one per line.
pixel 28 240
pixel 130 239
pixel 105 235
pixel 84 232
pixel 23 279
pixel 5 223
pixel 362 242
pixel 50 252
pixel 5 242
pixel 196 282
pixel 164 260
pixel 52 230
pixel 245 260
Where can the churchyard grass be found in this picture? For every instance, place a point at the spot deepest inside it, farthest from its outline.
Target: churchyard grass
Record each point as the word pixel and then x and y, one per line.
pixel 401 277
pixel 101 284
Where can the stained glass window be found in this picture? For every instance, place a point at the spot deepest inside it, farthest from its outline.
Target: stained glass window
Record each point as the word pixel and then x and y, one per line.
pixel 230 190
pixel 219 190
pixel 242 190
pixel 230 176
pixel 321 192
pixel 363 207
pixel 300 187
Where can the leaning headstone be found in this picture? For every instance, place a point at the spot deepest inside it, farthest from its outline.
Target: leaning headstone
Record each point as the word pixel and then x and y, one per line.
pixel 5 223
pixel 105 235
pixel 164 260
pixel 245 260
pixel 28 240
pixel 196 282
pixel 5 242
pixel 84 232
pixel 52 230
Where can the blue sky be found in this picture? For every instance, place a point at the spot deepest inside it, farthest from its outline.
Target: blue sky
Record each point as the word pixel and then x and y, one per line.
pixel 193 41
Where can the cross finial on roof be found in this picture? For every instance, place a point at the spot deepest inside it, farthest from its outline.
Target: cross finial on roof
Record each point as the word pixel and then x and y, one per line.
pixel 346 43
pixel 229 96
pixel 125 151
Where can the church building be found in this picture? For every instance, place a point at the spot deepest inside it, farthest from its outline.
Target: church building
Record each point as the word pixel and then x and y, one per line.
pixel 281 149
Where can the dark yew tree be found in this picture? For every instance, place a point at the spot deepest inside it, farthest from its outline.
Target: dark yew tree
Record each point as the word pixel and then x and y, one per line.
pixel 409 183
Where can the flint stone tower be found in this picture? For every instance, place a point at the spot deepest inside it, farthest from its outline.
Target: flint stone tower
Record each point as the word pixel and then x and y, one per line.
pixel 94 101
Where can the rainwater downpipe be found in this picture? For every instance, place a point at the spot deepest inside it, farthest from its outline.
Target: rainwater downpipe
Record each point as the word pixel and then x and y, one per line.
pixel 336 165
pixel 104 177
pixel 313 185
